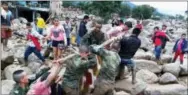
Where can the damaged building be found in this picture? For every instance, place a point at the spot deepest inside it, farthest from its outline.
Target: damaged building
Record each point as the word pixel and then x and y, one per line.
pixel 28 9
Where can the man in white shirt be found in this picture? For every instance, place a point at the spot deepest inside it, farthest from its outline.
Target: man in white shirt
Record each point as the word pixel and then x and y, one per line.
pixel 67 27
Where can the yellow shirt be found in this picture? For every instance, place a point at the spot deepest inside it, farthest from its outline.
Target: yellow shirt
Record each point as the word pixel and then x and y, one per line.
pixel 40 23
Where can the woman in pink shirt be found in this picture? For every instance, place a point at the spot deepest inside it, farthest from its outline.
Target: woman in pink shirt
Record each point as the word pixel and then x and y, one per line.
pixel 58 37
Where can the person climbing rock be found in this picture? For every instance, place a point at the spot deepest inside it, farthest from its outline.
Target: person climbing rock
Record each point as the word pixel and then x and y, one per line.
pixel 129 46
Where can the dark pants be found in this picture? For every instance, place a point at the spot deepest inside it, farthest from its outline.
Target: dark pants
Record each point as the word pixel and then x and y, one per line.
pixel 68 41
pixel 56 89
pixel 131 66
pixel 30 50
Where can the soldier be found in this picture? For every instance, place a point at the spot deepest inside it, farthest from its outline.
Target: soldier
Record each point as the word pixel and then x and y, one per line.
pixel 109 69
pixel 76 69
pixel 95 37
pixel 23 82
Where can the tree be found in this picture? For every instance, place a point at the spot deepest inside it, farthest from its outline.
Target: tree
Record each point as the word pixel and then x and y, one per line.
pixel 101 8
pixel 67 3
pixel 178 16
pixel 143 12
pixel 125 10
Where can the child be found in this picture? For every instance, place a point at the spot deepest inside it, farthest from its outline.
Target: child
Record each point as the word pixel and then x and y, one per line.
pixel 179 47
pixel 33 44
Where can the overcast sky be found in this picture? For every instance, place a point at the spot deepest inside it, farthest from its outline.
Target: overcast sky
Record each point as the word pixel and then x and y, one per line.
pixel 171 8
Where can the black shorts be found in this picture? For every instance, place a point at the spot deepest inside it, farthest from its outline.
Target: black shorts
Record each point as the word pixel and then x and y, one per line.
pixel 56 43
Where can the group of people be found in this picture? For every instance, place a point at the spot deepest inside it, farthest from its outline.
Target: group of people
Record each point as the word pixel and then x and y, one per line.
pixel 99 62
pixel 93 70
pixel 160 38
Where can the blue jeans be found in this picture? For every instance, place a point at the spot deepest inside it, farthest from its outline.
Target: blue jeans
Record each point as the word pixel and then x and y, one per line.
pixel 30 50
pixel 40 30
pixel 78 39
pixel 131 67
pixel 158 52
pixel 127 62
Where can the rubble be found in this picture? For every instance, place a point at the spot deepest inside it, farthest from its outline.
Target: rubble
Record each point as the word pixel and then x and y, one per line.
pixel 9 70
pixel 147 76
pixel 171 89
pixel 148 65
pixel 167 78
pixel 173 68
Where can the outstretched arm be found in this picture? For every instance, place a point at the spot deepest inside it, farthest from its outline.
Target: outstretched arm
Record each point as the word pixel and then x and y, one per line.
pixel 54 72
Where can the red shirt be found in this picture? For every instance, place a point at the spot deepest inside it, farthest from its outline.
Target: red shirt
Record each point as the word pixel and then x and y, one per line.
pixel 139 26
pixel 158 35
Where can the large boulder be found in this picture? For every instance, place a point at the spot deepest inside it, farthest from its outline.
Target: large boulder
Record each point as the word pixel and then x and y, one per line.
pixel 173 68
pixel 121 93
pixel 34 66
pixel 149 65
pixel 143 55
pixel 7 58
pixel 19 52
pixel 2 75
pixel 23 20
pixel 6 86
pixel 171 89
pixel 147 76
pixel 184 69
pixel 127 86
pixel 9 70
pixel 183 80
pixel 167 78
pixel 166 58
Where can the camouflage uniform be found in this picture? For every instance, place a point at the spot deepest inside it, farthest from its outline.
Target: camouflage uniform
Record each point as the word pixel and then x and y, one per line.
pixel 109 70
pixel 17 90
pixel 93 38
pixel 74 72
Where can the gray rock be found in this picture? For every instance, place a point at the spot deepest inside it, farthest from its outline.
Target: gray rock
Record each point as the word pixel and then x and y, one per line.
pixel 19 52
pixel 166 58
pixel 121 93
pixel 34 66
pixel 7 58
pixel 183 80
pixel 147 76
pixel 138 88
pixel 2 75
pixel 6 86
pixel 149 65
pixel 167 78
pixel 127 86
pixel 173 68
pixel 143 55
pixel 23 20
pixel 9 70
pixel 171 89
pixel 184 69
